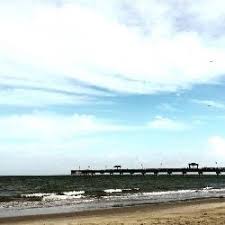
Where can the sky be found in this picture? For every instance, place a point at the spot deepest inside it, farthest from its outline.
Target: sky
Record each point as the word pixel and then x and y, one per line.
pixel 98 83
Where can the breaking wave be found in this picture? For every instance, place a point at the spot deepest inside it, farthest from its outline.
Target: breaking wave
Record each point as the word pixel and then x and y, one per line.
pixel 56 196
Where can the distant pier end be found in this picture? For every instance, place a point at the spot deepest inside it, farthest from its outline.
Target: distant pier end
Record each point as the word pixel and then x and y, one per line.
pixel 193 168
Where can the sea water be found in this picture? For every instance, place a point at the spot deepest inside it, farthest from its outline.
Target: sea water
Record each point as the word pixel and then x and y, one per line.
pixel 30 195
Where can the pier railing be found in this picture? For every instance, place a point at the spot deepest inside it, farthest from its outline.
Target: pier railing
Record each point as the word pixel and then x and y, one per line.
pixel 149 171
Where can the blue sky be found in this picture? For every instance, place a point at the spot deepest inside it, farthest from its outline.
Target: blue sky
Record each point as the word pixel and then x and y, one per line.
pixel 97 83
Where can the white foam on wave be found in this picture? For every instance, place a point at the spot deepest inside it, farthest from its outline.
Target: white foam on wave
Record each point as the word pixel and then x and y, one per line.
pixel 55 196
pixel 168 192
pixel 72 193
pixel 171 195
pixel 118 190
pixel 211 189
pixel 109 191
pixel 35 195
pixel 208 188
pixel 184 192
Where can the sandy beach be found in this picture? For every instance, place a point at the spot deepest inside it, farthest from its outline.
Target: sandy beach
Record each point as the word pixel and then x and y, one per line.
pixel 211 211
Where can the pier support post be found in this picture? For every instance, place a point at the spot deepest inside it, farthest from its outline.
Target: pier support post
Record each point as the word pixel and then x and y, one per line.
pixel 217 173
pixel 184 173
pixel 200 173
pixel 169 172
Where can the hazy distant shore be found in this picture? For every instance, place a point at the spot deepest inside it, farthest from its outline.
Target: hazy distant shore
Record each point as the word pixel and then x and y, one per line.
pixel 201 211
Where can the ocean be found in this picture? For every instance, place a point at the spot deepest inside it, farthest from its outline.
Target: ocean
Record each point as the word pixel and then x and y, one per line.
pixel 30 195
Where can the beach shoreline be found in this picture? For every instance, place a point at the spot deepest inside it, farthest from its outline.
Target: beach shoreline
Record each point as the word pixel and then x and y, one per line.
pixel 118 214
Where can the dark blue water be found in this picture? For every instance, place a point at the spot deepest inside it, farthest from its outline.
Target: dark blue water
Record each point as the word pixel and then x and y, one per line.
pixel 21 194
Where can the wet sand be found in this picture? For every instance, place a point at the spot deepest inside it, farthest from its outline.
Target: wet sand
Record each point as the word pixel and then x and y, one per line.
pixel 204 212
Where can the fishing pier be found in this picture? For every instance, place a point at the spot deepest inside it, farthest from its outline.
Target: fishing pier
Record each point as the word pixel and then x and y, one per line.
pixel 192 169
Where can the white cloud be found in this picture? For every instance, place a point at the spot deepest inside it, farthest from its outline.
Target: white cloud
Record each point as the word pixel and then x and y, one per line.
pixel 210 103
pixel 163 123
pixel 45 127
pixel 40 127
pixel 106 49
pixel 217 145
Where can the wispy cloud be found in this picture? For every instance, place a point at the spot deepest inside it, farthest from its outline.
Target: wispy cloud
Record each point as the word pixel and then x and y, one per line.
pixel 168 107
pixel 44 91
pixel 35 98
pixel 210 103
pixel 167 124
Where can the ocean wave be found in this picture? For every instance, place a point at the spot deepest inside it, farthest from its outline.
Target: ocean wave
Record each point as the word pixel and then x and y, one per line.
pixel 170 195
pixel 56 196
pixel 35 195
pixel 109 191
pixel 72 193
pixel 118 190
pixel 207 188
pixel 211 189
pixel 185 192
pixel 136 189
pixel 168 192
pixel 126 194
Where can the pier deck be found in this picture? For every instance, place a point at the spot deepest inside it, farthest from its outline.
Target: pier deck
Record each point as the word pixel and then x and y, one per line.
pixel 149 171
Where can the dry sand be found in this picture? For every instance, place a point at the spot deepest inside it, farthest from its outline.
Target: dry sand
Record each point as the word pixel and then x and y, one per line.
pixel 199 212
